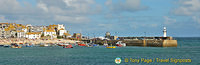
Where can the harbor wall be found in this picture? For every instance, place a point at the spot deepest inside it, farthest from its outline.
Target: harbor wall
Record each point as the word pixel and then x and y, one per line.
pixel 152 43
pixel 170 43
pixel 144 43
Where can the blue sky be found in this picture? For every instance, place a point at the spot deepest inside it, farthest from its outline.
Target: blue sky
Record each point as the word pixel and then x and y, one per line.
pixel 120 17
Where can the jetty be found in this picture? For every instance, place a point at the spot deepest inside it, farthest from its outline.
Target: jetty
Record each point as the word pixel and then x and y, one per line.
pixel 162 41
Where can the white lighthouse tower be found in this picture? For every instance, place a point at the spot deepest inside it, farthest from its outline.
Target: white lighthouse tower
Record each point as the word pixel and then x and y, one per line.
pixel 165 32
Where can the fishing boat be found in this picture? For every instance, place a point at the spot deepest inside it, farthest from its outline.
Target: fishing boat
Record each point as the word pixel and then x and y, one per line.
pixel 120 44
pixel 44 45
pixel 81 44
pixel 28 45
pixel 15 45
pixel 111 46
pixel 1 45
pixel 62 44
pixel 105 44
pixel 68 46
pixel 6 46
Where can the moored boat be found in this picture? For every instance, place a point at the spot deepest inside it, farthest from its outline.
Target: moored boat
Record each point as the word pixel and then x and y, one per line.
pixel 44 45
pixel 81 44
pixel 16 47
pixel 1 45
pixel 111 46
pixel 120 44
pixel 6 46
pixel 68 46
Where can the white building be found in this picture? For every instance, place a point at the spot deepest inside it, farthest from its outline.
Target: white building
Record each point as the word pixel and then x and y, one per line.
pixel 61 32
pixel 20 34
pixel 33 35
pixel 61 26
pixel 51 33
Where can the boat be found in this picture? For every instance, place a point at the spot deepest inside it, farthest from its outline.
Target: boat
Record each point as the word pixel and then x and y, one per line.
pixel 28 45
pixel 111 46
pixel 6 46
pixel 15 45
pixel 81 44
pixel 62 44
pixel 44 45
pixel 68 46
pixel 105 44
pixel 92 45
pixel 120 44
pixel 1 45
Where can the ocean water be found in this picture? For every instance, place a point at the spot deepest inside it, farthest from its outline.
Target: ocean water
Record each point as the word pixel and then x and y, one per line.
pixel 188 48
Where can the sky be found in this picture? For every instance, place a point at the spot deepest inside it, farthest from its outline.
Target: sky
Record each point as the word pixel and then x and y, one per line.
pixel 120 17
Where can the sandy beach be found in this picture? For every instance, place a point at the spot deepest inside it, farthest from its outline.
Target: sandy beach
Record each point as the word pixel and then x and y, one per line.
pixel 33 41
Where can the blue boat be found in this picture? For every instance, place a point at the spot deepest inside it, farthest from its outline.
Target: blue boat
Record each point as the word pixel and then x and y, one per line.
pixel 6 46
pixel 1 45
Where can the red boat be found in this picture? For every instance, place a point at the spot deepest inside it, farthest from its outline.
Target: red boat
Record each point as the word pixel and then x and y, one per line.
pixel 119 45
pixel 62 44
pixel 68 46
pixel 82 44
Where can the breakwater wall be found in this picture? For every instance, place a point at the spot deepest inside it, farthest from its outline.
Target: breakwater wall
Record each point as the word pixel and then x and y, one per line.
pixel 143 43
pixel 152 43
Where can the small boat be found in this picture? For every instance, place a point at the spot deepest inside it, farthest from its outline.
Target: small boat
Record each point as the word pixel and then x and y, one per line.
pixel 28 45
pixel 81 44
pixel 92 45
pixel 44 45
pixel 1 45
pixel 120 44
pixel 68 46
pixel 111 46
pixel 62 44
pixel 6 46
pixel 16 47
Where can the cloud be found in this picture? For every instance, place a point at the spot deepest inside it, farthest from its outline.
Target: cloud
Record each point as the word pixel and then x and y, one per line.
pixel 106 26
pixel 51 11
pixel 169 21
pixel 187 7
pixel 76 19
pixel 196 18
pixel 126 5
pixel 42 6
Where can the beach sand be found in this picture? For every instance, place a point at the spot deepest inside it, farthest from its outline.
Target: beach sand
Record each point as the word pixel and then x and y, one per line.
pixel 33 41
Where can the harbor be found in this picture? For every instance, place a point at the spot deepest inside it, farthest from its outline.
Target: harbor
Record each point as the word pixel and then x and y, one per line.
pixel 99 32
pixel 80 55
pixel 56 35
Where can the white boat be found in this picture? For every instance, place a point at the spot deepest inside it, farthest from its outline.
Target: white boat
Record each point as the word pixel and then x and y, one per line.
pixel 44 45
pixel 120 44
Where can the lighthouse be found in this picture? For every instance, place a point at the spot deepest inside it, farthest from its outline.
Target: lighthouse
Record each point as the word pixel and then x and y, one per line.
pixel 164 32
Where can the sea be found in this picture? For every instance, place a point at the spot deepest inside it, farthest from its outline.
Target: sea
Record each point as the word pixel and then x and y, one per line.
pixel 187 53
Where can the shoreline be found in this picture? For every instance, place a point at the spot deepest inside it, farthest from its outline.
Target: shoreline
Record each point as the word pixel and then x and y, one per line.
pixel 33 41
